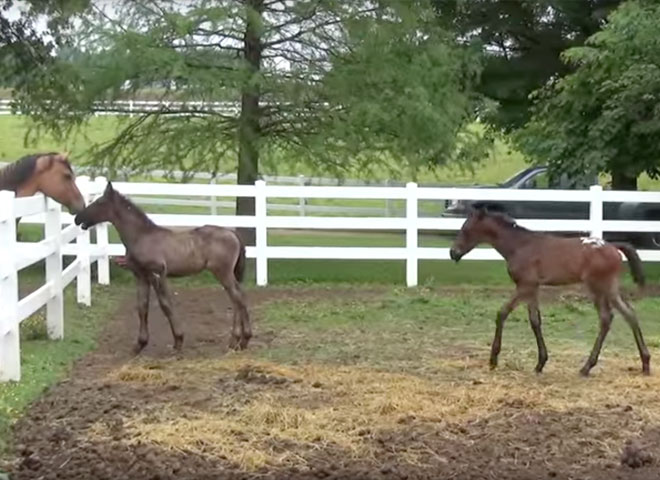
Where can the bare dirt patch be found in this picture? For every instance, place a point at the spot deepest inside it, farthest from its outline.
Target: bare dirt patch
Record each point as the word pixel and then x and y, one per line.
pixel 208 413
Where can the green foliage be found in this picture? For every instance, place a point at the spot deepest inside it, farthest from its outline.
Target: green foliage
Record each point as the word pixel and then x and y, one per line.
pixel 24 51
pixel 605 117
pixel 34 327
pixel 524 40
pixel 337 81
pixel 20 46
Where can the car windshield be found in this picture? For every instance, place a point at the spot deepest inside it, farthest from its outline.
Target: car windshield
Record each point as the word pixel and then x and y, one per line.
pixel 516 178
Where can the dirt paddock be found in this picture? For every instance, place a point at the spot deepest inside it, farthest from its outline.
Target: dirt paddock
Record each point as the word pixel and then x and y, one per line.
pixel 211 414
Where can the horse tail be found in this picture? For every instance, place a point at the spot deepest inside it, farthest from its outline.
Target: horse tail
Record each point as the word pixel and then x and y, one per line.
pixel 634 262
pixel 239 267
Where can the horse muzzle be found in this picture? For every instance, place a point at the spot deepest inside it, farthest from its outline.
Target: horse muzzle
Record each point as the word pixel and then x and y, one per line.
pixel 80 222
pixel 455 255
pixel 76 206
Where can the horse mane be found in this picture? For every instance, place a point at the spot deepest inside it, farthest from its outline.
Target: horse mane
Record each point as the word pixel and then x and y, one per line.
pixel 16 174
pixel 128 205
pixel 507 221
pixel 500 216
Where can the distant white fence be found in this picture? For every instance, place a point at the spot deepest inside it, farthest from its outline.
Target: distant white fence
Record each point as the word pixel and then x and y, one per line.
pixel 135 107
pixel 15 256
pixel 301 206
pixel 411 223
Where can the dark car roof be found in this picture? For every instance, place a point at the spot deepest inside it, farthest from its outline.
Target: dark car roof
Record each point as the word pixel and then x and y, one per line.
pixel 520 175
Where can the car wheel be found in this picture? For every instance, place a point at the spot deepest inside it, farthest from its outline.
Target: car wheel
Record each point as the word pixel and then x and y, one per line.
pixel 650 241
pixel 654 240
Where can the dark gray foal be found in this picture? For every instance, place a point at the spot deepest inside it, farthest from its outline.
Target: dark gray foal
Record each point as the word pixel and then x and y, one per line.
pixel 154 253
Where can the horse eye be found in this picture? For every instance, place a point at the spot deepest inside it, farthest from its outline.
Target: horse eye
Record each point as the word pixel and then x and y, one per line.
pixel 67 176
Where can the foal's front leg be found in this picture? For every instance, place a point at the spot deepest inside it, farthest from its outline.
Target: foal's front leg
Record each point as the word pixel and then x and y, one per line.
pixel 143 293
pixel 161 286
pixel 502 314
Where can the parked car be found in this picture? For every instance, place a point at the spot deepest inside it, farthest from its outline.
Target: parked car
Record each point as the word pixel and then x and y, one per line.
pixel 538 177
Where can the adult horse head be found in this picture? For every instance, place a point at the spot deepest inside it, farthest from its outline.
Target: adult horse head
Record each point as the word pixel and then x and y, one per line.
pixel 48 173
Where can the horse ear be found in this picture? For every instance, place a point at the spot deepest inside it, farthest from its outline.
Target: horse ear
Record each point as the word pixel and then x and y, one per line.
pixel 65 155
pixel 109 189
pixel 478 209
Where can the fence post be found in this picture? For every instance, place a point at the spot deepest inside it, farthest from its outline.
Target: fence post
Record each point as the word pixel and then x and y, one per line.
pixel 301 201
pixel 214 199
pixel 596 211
pixel 411 234
pixel 55 306
pixel 102 241
pixel 388 201
pixel 261 232
pixel 84 280
pixel 10 349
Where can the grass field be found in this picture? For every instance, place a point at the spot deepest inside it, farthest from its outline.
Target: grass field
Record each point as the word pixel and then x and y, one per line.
pixel 503 162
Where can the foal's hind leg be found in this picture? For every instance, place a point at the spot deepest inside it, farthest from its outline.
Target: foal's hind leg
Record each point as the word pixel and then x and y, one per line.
pixel 161 286
pixel 630 317
pixel 605 314
pixel 241 330
pixel 143 292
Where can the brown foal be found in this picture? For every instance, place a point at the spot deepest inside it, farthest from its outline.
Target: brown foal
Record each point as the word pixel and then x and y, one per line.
pixel 154 253
pixel 534 259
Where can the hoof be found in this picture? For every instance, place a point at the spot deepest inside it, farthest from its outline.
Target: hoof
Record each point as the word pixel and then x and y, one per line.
pixel 178 343
pixel 234 344
pixel 492 364
pixel 584 372
pixel 139 346
pixel 646 370
pixel 538 369
pixel 244 341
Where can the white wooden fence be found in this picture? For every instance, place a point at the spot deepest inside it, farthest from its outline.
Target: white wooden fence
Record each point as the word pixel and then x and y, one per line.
pixel 411 223
pixel 15 256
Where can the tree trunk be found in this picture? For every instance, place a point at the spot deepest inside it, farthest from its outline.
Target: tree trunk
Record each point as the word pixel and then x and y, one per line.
pixel 623 181
pixel 249 128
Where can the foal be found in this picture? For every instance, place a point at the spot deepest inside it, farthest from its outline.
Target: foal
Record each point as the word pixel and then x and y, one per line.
pixel 154 253
pixel 535 259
